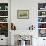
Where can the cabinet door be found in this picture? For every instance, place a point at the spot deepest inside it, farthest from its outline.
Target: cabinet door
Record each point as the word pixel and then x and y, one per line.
pixel 41 41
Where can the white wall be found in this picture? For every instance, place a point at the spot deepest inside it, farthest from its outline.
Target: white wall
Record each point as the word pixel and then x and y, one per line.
pixel 23 24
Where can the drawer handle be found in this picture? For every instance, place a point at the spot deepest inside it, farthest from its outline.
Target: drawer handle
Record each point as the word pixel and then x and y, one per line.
pixel 43 39
pixel 1 39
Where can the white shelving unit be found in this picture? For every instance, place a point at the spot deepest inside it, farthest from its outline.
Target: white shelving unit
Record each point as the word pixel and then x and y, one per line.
pixel 41 22
pixel 42 18
pixel 4 19
pixel 4 22
pixel 4 12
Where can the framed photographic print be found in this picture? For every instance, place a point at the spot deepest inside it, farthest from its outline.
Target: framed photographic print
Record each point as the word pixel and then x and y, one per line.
pixel 23 14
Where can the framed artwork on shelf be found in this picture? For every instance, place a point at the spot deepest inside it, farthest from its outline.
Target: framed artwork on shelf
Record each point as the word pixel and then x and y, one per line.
pixel 23 14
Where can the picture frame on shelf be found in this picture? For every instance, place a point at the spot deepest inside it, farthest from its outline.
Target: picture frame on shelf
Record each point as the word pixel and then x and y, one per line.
pixel 23 14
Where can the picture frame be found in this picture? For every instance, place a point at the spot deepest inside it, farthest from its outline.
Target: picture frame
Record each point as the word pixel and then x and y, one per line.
pixel 23 14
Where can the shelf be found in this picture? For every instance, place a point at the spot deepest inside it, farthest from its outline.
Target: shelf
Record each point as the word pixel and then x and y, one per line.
pixel 42 16
pixel 41 10
pixel 42 19
pixel 3 22
pixel 3 10
pixel 3 16
pixel 41 22
pixel 41 28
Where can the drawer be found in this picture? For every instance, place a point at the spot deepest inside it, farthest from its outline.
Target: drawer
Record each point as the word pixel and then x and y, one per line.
pixel 3 41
